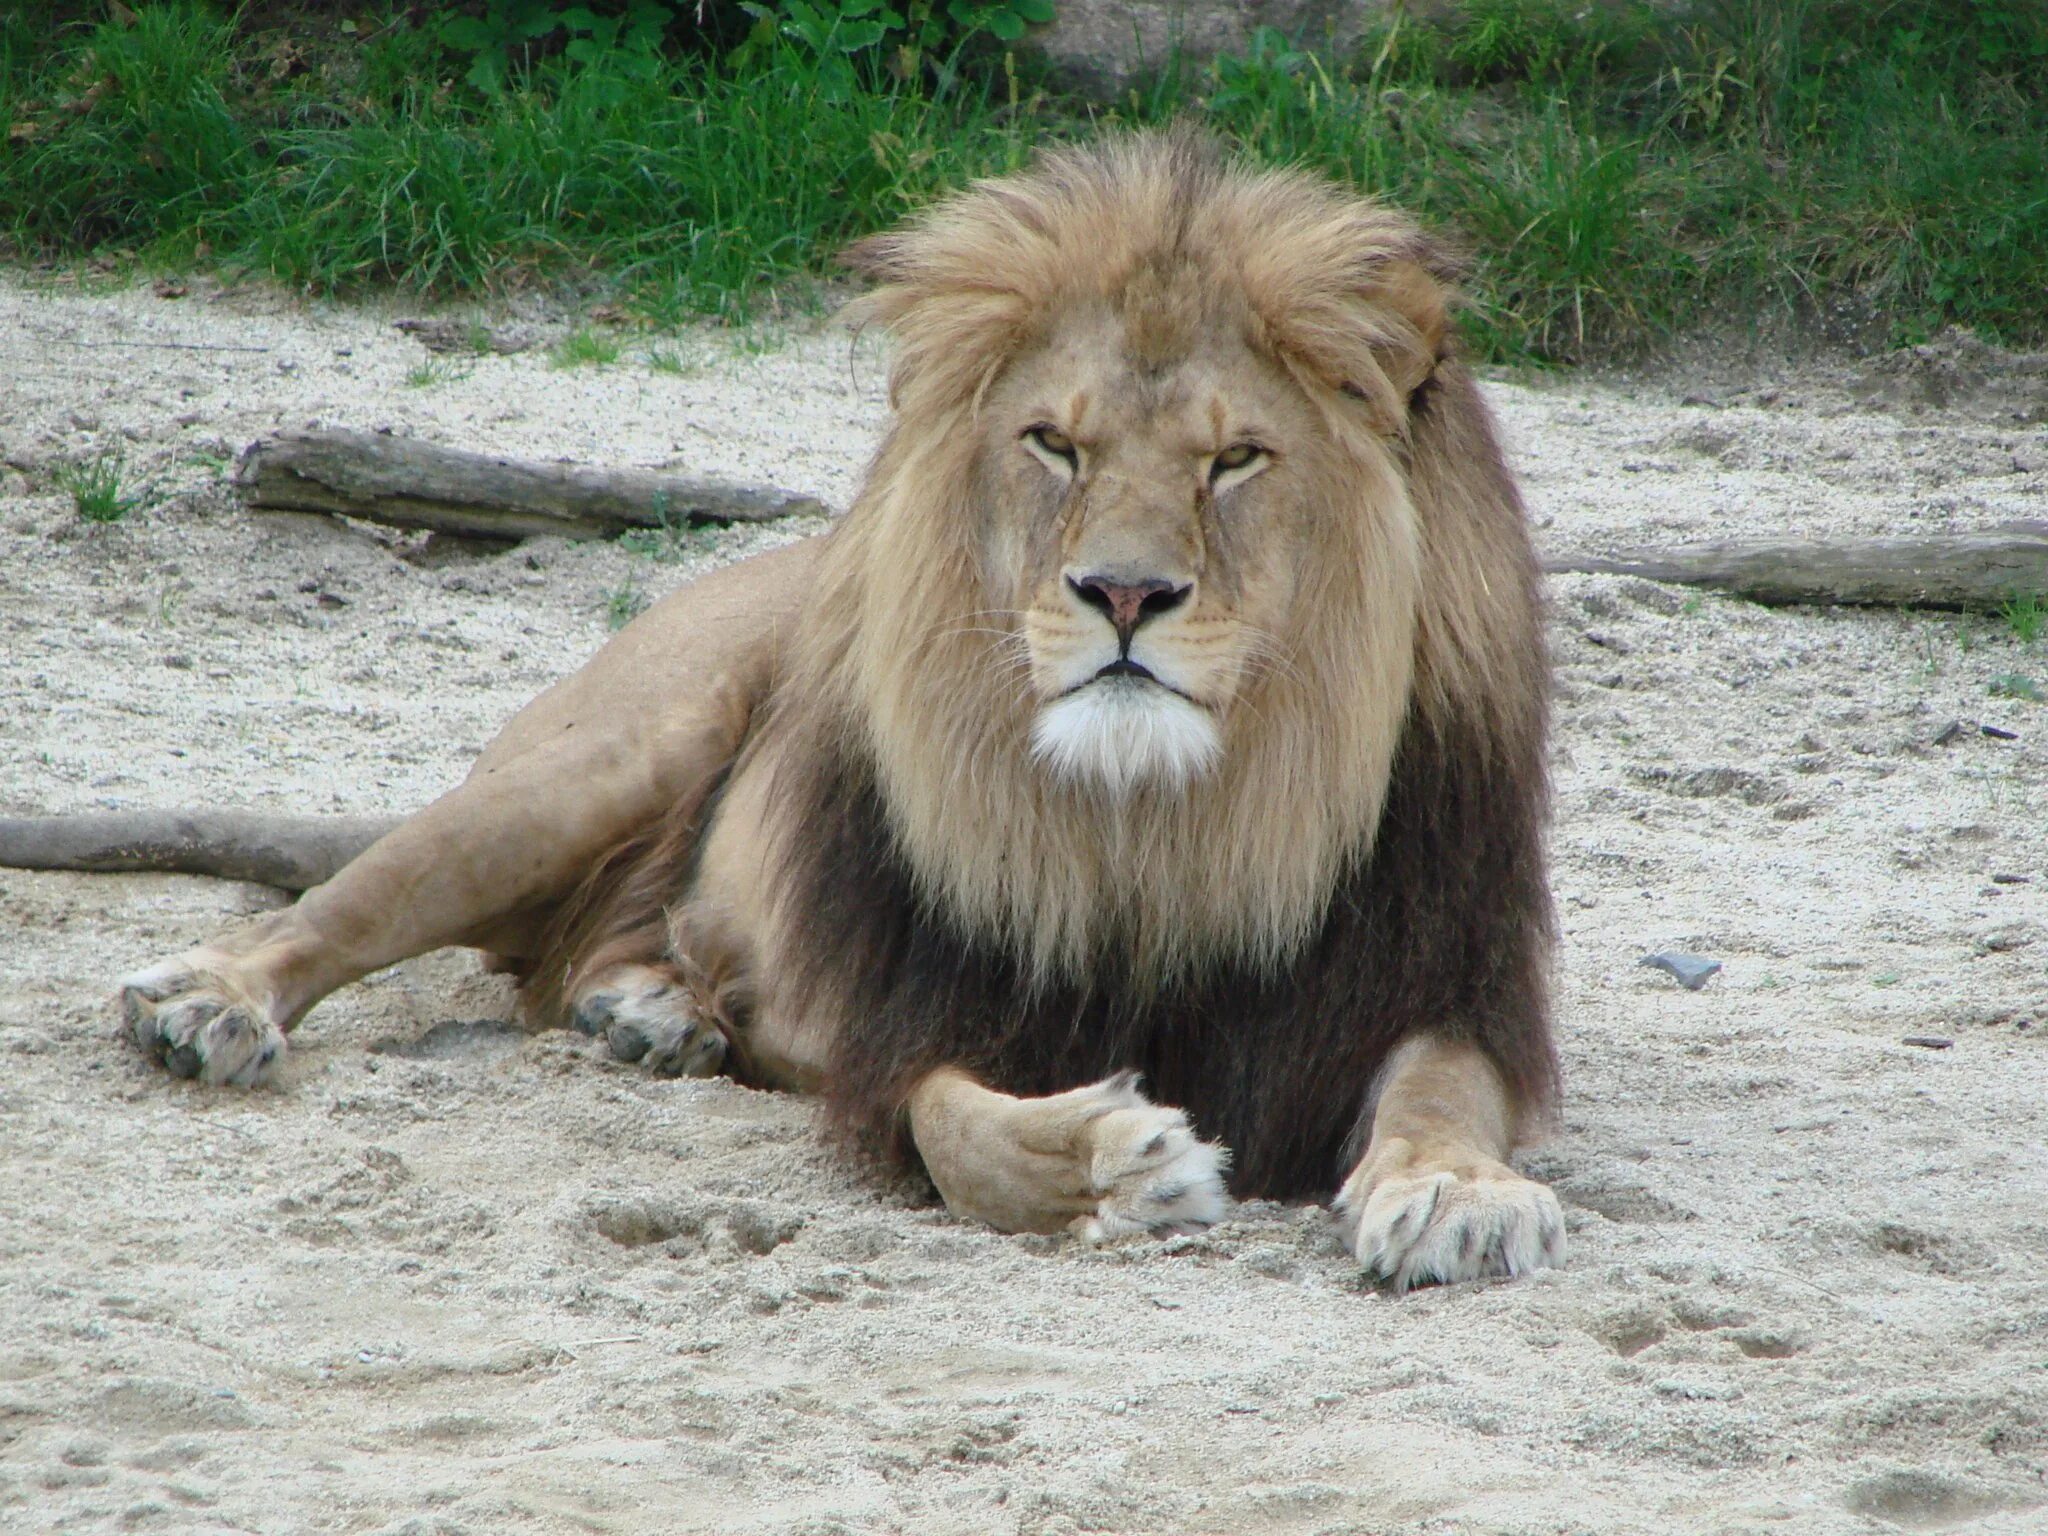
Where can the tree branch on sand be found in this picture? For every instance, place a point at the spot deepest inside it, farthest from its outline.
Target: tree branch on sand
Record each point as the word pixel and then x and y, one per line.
pixel 408 483
pixel 293 853
pixel 1981 571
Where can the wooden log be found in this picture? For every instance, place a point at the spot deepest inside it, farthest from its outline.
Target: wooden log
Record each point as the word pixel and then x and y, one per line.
pixel 413 484
pixel 293 853
pixel 1981 571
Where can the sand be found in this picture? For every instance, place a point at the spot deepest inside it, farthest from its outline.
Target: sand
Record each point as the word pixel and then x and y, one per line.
pixel 450 1277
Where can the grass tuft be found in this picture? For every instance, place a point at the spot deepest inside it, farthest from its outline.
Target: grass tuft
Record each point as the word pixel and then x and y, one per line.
pixel 2017 685
pixel 585 349
pixel 2025 614
pixel 95 489
pixel 433 372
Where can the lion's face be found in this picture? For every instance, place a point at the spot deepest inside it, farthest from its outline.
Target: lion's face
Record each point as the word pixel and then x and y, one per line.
pixel 1146 524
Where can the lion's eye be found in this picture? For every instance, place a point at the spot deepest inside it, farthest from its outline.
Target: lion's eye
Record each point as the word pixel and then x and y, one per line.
pixel 1236 457
pixel 1049 441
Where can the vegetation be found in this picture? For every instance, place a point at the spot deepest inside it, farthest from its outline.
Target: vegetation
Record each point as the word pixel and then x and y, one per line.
pixel 433 373
pixel 623 604
pixel 95 488
pixel 585 349
pixel 2025 615
pixel 1614 174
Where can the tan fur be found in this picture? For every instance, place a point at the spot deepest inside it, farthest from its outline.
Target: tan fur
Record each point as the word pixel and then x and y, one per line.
pixel 1155 306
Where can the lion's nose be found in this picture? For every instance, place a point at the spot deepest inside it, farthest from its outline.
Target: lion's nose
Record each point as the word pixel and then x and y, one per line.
pixel 1128 602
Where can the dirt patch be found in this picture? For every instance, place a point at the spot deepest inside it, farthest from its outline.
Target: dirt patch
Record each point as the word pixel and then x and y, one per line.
pixel 454 1277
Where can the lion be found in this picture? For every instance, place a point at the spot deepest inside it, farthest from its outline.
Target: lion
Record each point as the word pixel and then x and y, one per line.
pixel 1135 800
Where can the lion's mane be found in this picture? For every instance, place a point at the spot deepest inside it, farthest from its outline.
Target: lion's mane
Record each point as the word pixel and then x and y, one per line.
pixel 1367 863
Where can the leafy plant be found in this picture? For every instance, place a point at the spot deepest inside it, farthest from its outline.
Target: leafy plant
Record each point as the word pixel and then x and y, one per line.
pixel 834 38
pixel 505 33
pixel 623 604
pixel 2016 685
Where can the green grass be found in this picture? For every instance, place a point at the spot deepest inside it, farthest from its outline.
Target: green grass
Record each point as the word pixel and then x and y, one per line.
pixel 95 489
pixel 623 604
pixel 1614 176
pixel 585 349
pixel 433 373
pixel 2025 614
pixel 666 543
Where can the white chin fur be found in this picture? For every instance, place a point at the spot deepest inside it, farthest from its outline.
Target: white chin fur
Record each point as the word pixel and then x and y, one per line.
pixel 1122 732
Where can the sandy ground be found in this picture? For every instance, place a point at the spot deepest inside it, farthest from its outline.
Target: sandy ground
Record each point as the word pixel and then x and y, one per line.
pixel 452 1278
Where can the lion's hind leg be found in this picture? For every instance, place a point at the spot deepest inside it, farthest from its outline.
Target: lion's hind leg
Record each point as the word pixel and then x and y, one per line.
pixel 190 1017
pixel 648 1012
pixel 1101 1162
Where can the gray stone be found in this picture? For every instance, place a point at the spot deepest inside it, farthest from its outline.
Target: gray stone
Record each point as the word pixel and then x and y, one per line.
pixel 1689 971
pixel 1099 48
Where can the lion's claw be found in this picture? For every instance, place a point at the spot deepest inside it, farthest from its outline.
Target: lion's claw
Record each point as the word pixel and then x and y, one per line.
pixel 1440 1225
pixel 1148 1169
pixel 647 1018
pixel 192 1030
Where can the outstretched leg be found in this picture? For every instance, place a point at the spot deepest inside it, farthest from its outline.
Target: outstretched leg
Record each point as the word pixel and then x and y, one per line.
pixel 653 720
pixel 1434 1198
pixel 1101 1161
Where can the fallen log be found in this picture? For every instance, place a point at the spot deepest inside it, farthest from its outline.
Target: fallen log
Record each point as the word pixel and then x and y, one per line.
pixel 408 483
pixel 293 853
pixel 1982 571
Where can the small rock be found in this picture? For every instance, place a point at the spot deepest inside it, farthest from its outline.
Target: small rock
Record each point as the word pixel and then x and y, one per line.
pixel 1955 730
pixel 1928 1042
pixel 2006 938
pixel 1689 971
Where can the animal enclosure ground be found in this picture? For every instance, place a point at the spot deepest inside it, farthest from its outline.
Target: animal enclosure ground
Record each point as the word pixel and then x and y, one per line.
pixel 450 1277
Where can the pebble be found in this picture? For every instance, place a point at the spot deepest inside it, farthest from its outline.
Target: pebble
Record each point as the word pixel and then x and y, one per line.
pixel 1689 971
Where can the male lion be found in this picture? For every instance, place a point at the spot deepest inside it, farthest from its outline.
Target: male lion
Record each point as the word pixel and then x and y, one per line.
pixel 1169 707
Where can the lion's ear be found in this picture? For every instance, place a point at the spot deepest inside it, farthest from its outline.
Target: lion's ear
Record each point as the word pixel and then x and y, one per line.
pixel 1394 338
pixel 1411 291
pixel 885 261
pixel 1357 303
pixel 952 333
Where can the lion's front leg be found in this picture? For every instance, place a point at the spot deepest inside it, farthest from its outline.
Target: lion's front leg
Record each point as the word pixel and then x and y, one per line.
pixel 1434 1199
pixel 1101 1161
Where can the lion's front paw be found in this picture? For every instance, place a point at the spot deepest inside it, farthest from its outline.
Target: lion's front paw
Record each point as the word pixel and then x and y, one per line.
pixel 188 1023
pixel 1417 1220
pixel 1148 1170
pixel 647 1016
